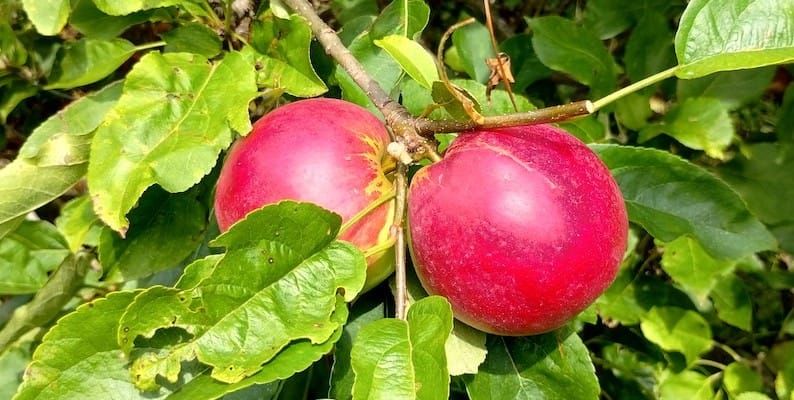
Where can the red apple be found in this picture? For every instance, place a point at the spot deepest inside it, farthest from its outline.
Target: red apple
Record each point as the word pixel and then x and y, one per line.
pixel 519 228
pixel 324 151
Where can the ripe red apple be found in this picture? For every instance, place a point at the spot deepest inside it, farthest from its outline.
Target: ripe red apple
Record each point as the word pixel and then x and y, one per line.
pixel 519 228
pixel 324 151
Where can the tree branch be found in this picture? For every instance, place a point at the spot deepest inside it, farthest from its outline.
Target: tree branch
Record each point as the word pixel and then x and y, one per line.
pixel 540 116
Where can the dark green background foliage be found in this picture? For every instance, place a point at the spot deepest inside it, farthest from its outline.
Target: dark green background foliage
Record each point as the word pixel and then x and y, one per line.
pixel 116 115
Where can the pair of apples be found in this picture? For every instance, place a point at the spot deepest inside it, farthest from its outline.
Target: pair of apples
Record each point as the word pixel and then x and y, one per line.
pixel 519 228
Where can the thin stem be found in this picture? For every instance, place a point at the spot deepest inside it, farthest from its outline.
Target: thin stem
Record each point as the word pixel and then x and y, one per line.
pixel 405 18
pixel 213 16
pixel 399 248
pixel 710 363
pixel 379 247
pixel 149 45
pixel 489 23
pixel 366 210
pixel 559 113
pixel 600 103
pixel 731 352
pixel 432 154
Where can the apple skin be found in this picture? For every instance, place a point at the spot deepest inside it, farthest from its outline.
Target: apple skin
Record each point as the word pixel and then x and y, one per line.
pixel 519 228
pixel 324 151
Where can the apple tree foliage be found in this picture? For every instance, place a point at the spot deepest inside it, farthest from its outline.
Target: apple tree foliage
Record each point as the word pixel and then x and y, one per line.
pixel 116 283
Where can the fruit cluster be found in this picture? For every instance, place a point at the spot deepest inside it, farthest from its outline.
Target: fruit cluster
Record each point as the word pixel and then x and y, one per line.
pixel 519 228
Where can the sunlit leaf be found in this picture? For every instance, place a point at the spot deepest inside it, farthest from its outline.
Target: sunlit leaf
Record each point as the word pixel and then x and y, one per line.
pixel 677 329
pixel 398 359
pixel 54 156
pixel 282 280
pixel 28 254
pixel 412 57
pixel 177 113
pixel 721 35
pixel 48 16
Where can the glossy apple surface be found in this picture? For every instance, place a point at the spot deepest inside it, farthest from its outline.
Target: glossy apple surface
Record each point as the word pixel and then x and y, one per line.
pixel 324 151
pixel 519 228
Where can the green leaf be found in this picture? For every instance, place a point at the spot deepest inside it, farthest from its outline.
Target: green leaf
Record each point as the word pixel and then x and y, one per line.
pixel 78 223
pixel 733 88
pixel 721 35
pixel 649 48
pixel 655 185
pixel 634 110
pixel 398 359
pixel 698 123
pixel 473 45
pixel 632 366
pixel 692 268
pixel 13 361
pixel 193 38
pixel 295 358
pixel 347 10
pixel 14 93
pixel 95 24
pixel 733 303
pixel 53 158
pixel 282 279
pixel 588 130
pixel 48 16
pixel 565 47
pixel 466 349
pixel 364 311
pixel 49 301
pixel 282 56
pixel 379 64
pixel 630 297
pixel 785 117
pixel 78 359
pixel 781 361
pixel 608 18
pixel 176 115
pixel 165 229
pixel 677 329
pixel 87 61
pixel 753 396
pixel 28 254
pixel 401 17
pixel 555 365
pixel 114 7
pixel 739 378
pixel 763 177
pixel 412 57
pixel 686 385
pixel 11 48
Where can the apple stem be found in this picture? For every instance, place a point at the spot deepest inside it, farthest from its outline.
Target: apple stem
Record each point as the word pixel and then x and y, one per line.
pixel 379 247
pixel 368 209
pixel 398 232
pixel 601 103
